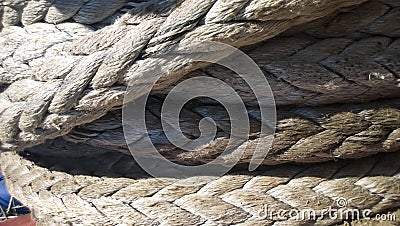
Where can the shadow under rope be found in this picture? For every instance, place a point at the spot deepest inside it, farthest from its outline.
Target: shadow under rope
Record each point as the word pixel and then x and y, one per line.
pixel 80 159
pixel 3 86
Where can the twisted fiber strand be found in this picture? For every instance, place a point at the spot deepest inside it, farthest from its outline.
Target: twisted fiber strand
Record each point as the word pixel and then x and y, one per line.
pixel 342 132
pixel 103 188
pixel 15 12
pixel 302 70
pixel 304 134
pixel 87 93
pixel 200 211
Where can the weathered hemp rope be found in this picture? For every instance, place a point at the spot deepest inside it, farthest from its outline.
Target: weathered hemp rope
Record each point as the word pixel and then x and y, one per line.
pixel 107 59
pixel 68 193
pixel 333 66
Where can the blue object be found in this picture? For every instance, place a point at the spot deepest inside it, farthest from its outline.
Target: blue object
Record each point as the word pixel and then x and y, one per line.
pixel 7 201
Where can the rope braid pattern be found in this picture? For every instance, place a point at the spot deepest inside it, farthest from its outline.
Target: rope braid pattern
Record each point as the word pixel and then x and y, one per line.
pixel 92 71
pixel 15 12
pixel 63 193
pixel 58 75
pixel 304 134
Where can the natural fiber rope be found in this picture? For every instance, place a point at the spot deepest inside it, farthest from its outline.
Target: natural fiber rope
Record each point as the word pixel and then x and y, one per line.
pixel 152 27
pixel 304 134
pixel 65 194
pixel 28 12
pixel 57 77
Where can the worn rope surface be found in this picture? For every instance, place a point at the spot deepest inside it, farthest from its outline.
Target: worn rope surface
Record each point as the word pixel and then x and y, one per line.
pixel 100 187
pixel 304 134
pixel 15 12
pixel 78 80
pixel 333 67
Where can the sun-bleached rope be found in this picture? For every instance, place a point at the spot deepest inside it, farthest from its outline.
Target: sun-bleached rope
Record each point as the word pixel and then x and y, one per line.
pixel 303 134
pixel 95 82
pixel 66 191
pixel 56 11
pixel 322 59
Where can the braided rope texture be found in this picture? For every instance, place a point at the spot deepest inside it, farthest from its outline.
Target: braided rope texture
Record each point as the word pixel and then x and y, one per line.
pixel 356 68
pixel 322 60
pixel 54 80
pixel 303 134
pixel 85 190
pixel 16 12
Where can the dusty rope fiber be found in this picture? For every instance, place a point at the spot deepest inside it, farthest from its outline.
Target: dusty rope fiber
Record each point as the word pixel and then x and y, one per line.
pixel 28 12
pixel 69 193
pixel 325 132
pixel 344 55
pixel 332 56
pixel 304 134
pixel 59 107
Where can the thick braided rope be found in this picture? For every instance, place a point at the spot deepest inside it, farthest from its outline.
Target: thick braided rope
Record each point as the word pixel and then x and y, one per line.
pixel 295 74
pixel 92 71
pixel 107 188
pixel 370 41
pixel 304 134
pixel 15 12
pixel 340 131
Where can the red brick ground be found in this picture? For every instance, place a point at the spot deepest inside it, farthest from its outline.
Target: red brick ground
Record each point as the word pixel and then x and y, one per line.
pixel 25 220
